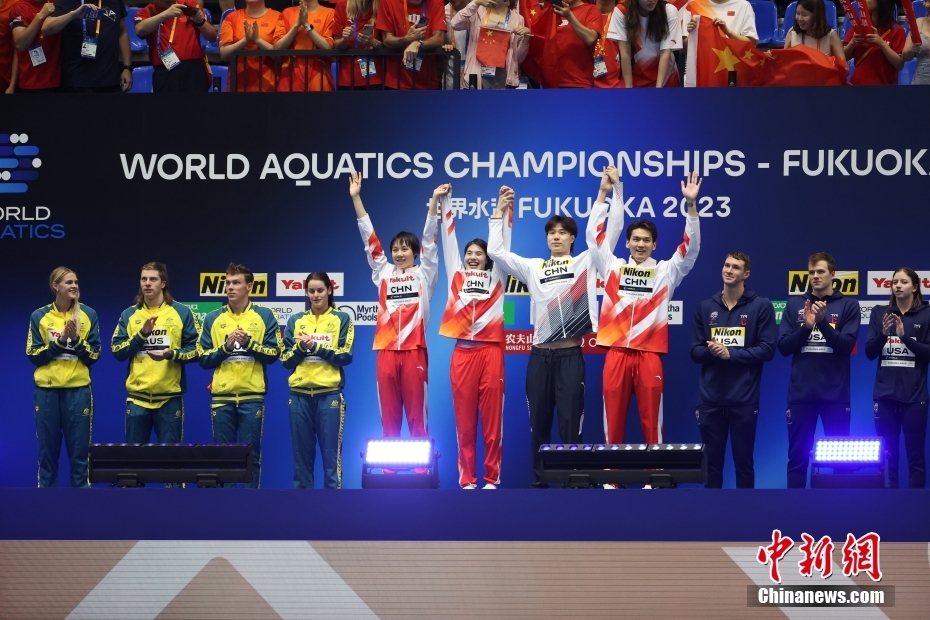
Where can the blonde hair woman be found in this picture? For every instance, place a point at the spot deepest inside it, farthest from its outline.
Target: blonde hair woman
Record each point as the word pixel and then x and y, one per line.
pixel 63 342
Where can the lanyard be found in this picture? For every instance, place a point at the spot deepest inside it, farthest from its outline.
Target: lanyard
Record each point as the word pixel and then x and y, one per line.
pixel 84 21
pixel 174 24
pixel 487 16
pixel 599 48
pixel 355 32
pixel 422 12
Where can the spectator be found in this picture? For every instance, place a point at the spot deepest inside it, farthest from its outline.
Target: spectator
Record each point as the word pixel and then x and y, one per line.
pixel 492 56
pixel 354 28
pixel 8 62
pixel 305 27
pixel 415 19
pixel 251 28
pixel 173 31
pixel 811 29
pixel 94 45
pixel 39 57
pixel 736 17
pixel 537 16
pixel 577 29
pixel 922 53
pixel 877 55
pixel 654 27
pixel 607 50
pixel 454 40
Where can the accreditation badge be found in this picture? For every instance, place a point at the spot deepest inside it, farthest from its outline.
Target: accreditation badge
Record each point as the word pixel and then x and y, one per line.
pixel 402 290
pixel 600 67
pixel 89 47
pixel 816 343
pixel 415 65
pixel 367 67
pixel 37 55
pixel 476 286
pixel 169 58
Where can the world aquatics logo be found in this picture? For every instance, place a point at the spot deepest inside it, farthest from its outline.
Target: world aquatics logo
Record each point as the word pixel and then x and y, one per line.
pixel 19 163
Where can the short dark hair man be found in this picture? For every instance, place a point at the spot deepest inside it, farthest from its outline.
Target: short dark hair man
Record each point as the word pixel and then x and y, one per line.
pixel 733 334
pixel 819 331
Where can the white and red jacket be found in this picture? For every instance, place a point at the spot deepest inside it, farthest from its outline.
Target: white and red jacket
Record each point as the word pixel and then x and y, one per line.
pixel 475 307
pixel 403 296
pixel 563 290
pixel 634 313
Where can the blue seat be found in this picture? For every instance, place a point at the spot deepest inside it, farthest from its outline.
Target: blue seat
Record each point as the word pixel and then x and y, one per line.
pixel 766 20
pixel 136 44
pixel 141 80
pixel 906 74
pixel 791 11
pixel 919 10
pixel 206 45
pixel 222 72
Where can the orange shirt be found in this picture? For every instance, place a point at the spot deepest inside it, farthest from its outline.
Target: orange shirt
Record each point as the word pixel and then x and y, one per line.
pixel 233 30
pixel 304 74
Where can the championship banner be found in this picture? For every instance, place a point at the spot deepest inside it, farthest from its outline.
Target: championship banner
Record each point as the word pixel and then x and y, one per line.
pixel 140 184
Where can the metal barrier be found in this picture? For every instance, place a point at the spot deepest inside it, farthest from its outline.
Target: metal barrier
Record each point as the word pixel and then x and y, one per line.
pixel 277 70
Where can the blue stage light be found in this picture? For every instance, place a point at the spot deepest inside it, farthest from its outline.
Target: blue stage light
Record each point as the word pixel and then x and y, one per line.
pixel 852 450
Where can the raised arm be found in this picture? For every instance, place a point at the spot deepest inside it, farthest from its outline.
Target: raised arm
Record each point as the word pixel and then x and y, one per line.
pixel 373 250
pixel 450 245
pixel 497 251
pixel 429 250
pixel 601 237
pixel 687 251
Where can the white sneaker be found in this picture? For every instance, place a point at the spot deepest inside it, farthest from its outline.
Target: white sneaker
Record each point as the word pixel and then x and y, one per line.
pixel 490 485
pixel 647 486
pixel 469 487
pixel 609 486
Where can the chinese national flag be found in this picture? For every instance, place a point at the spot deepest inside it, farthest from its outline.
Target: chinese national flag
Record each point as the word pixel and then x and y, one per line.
pixel 542 59
pixel 804 66
pixel 711 56
pixel 492 47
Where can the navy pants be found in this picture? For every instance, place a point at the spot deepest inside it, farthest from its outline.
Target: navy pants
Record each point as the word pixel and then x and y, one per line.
pixel 241 422
pixel 63 413
pixel 891 417
pixel 739 422
pixel 802 424
pixel 167 420
pixel 318 418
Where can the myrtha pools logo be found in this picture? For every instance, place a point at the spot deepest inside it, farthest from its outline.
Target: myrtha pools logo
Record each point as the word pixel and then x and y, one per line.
pixel 19 163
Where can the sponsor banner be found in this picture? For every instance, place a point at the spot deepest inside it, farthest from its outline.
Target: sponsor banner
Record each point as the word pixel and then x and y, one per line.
pixel 202 308
pixel 292 284
pixel 515 287
pixel 285 310
pixel 865 310
pixel 214 285
pixel 846 282
pixel 510 310
pixel 676 312
pixel 361 312
pixel 779 307
pixel 879 282
pixel 520 341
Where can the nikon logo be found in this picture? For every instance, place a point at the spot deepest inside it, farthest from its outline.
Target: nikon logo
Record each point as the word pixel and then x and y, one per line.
pixel 515 287
pixel 846 282
pixel 727 331
pixel 214 285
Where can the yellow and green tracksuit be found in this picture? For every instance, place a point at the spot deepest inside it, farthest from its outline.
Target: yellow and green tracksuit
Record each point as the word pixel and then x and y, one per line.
pixel 154 387
pixel 316 404
pixel 64 405
pixel 239 377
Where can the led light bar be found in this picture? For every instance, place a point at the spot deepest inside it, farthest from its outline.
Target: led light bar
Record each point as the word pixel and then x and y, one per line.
pixel 851 450
pixel 398 452
pixel 666 464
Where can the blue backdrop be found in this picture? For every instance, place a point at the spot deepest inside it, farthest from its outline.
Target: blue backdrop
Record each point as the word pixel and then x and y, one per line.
pixel 783 177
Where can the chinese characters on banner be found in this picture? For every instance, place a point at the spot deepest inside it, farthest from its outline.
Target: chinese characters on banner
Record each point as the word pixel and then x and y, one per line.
pixel 860 555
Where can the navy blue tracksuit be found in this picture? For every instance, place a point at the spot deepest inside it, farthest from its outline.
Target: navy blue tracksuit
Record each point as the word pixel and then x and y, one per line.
pixel 819 384
pixel 729 390
pixel 900 391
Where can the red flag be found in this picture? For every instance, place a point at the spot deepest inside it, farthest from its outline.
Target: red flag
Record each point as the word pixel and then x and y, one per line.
pixel 711 57
pixel 804 66
pixel 542 58
pixel 492 47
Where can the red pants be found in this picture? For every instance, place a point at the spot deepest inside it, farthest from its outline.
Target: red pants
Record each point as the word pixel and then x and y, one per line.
pixel 477 377
pixel 402 377
pixel 626 372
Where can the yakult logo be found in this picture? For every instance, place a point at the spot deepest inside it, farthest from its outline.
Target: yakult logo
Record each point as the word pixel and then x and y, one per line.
pixel 292 284
pixel 880 281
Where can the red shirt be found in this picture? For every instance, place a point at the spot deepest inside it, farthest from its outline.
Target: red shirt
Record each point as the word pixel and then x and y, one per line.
pixel 576 60
pixel 6 44
pixel 350 65
pixel 391 18
pixel 610 51
pixel 872 68
pixel 186 38
pixel 48 74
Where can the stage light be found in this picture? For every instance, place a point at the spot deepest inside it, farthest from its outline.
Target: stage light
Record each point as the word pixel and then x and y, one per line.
pixel 583 465
pixel 853 462
pixel 208 465
pixel 400 455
